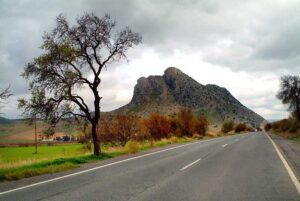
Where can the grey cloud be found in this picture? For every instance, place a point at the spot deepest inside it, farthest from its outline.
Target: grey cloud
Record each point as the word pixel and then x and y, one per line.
pixel 252 36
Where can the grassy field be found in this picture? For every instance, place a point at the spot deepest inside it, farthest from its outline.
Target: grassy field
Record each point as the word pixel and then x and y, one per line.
pixel 21 162
pixel 12 156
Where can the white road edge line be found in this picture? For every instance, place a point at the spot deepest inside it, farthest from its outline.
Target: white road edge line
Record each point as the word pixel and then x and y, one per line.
pixel 224 145
pixel 102 166
pixel 286 165
pixel 190 164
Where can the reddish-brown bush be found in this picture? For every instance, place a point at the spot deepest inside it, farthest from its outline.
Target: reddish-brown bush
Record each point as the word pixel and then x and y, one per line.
pixel 118 130
pixel 200 125
pixel 240 128
pixel 158 126
pixel 106 131
pixel 186 122
pixel 125 127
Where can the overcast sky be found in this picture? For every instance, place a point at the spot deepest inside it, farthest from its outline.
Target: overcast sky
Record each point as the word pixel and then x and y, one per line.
pixel 242 45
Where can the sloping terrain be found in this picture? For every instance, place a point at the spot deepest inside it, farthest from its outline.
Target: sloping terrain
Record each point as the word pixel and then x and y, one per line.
pixel 166 94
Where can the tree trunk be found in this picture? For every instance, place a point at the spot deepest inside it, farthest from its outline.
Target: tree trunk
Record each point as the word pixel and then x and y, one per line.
pixel 297 111
pixel 298 115
pixel 96 141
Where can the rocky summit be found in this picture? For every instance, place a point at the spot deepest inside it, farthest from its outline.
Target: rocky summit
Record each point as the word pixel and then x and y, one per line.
pixel 168 93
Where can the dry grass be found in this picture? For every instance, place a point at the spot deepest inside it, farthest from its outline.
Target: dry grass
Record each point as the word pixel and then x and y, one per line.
pixel 132 146
pixel 174 139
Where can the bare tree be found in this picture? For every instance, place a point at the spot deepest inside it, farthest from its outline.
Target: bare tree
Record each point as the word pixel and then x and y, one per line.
pixel 74 57
pixel 5 94
pixel 289 93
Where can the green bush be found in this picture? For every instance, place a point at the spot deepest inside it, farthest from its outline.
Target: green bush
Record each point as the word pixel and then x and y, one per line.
pixel 227 126
pixel 132 146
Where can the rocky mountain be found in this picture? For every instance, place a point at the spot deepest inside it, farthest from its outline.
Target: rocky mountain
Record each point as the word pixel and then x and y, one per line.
pixel 168 93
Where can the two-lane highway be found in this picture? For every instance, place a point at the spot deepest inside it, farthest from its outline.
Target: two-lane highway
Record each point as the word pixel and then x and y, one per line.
pixel 240 167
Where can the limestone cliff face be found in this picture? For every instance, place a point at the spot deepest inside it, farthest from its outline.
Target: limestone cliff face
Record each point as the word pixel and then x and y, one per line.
pixel 166 94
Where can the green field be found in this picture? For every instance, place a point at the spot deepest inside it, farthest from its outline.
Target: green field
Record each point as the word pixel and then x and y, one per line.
pixel 13 155
pixel 21 162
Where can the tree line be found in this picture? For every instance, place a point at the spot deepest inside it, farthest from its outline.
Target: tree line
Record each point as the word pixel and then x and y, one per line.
pixel 117 130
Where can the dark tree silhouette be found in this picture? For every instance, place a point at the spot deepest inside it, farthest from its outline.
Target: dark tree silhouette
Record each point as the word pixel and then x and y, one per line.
pixel 289 93
pixel 74 57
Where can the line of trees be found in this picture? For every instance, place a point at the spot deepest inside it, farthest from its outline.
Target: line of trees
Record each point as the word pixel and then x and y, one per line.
pixel 119 129
pixel 229 126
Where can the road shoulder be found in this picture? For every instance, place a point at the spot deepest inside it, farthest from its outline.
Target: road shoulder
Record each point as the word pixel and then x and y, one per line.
pixel 291 152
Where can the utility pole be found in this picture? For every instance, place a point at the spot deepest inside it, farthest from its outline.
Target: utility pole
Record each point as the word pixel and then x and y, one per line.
pixel 35 133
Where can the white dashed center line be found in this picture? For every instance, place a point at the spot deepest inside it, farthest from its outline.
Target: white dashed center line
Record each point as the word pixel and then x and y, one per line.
pixel 190 164
pixel 224 145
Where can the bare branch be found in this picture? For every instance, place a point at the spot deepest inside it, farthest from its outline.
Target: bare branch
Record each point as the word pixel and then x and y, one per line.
pixel 4 95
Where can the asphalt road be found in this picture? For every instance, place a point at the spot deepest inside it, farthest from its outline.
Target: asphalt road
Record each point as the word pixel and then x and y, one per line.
pixel 236 168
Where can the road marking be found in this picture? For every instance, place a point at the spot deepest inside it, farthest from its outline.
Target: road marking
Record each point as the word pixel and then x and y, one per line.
pixel 196 161
pixel 224 145
pixel 103 166
pixel 286 165
pixel 236 140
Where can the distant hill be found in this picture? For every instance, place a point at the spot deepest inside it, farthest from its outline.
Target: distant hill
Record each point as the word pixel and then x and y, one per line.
pixel 8 121
pixel 166 94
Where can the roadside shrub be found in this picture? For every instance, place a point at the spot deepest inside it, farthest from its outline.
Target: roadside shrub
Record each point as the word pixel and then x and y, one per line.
pixel 227 126
pixel 125 127
pixel 196 136
pixel 158 126
pixel 240 128
pixel 250 129
pixel 290 125
pixel 143 133
pixel 174 139
pixel 294 125
pixel 106 131
pixel 281 125
pixel 201 125
pixel 186 122
pixel 132 146
pixel 267 126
